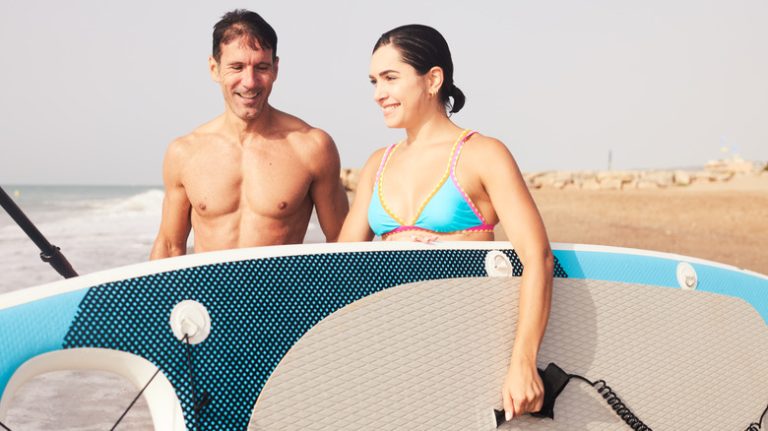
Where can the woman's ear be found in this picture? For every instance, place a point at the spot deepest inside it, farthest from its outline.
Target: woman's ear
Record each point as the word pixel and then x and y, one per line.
pixel 435 80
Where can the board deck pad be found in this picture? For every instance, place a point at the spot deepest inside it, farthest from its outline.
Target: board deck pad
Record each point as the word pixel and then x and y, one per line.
pixel 433 354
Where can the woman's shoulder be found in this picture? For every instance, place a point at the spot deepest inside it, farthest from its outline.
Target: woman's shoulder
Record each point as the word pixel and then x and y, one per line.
pixel 374 161
pixel 484 146
pixel 377 156
pixel 488 157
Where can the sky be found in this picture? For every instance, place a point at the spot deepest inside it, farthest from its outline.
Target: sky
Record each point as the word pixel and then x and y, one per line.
pixel 93 91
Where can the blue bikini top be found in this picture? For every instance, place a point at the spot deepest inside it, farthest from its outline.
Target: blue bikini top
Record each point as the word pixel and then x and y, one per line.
pixel 448 209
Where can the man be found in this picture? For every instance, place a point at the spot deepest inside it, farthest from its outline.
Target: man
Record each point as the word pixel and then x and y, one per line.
pixel 251 176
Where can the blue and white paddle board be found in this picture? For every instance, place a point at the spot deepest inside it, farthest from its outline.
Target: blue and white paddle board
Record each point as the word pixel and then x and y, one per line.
pixel 244 310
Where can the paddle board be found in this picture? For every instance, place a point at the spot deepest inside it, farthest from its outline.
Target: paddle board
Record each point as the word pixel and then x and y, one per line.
pixel 245 309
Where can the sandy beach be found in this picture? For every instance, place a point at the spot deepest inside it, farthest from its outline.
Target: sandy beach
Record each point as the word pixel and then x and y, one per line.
pixel 725 222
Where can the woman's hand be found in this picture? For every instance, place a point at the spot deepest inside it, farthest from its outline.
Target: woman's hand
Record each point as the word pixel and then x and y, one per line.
pixel 426 239
pixel 523 390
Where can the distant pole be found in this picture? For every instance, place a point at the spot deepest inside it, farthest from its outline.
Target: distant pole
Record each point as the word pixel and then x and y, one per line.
pixel 49 253
pixel 610 159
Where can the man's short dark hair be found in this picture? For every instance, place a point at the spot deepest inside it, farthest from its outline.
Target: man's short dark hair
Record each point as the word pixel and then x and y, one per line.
pixel 243 23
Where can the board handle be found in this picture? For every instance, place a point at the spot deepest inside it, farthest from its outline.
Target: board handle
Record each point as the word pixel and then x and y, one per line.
pixel 554 379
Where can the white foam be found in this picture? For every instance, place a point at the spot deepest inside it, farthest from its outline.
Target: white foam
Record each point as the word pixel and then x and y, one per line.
pixel 150 201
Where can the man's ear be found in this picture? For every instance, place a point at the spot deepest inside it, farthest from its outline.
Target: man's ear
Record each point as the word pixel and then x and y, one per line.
pixel 435 79
pixel 213 67
pixel 274 66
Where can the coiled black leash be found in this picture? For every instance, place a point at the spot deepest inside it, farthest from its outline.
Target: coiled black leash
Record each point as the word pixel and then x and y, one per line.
pixel 757 426
pixel 555 379
pixel 616 404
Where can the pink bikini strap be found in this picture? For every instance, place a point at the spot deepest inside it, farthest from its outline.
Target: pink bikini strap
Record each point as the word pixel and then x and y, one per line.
pixel 384 160
pixel 471 204
pixel 456 152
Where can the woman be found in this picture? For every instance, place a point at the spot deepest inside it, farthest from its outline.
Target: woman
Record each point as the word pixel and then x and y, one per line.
pixel 445 183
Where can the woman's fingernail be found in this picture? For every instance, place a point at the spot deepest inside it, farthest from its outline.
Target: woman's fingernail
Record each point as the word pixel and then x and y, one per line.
pixel 507 415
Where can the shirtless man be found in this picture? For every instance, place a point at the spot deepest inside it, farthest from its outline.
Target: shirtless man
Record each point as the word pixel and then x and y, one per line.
pixel 251 176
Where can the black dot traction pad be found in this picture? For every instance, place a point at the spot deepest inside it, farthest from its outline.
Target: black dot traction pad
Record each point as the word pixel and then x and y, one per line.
pixel 258 309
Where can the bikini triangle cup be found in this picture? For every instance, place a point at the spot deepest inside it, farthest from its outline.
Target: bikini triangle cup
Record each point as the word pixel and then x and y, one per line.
pixel 447 209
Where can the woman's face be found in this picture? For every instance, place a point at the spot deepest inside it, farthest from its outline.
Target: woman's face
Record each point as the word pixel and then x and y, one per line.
pixel 399 90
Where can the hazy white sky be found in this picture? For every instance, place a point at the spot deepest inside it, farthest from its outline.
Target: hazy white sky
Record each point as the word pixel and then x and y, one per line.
pixel 93 91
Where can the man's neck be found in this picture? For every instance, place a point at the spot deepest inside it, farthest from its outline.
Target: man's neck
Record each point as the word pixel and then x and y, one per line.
pixel 258 126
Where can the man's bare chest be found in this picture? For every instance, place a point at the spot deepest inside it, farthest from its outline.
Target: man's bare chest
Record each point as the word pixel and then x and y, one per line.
pixel 272 186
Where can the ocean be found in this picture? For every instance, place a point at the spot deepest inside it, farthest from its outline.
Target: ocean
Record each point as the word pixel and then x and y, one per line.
pixel 97 228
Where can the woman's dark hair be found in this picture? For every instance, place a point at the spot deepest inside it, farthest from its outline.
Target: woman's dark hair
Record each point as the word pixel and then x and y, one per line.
pixel 243 23
pixel 423 48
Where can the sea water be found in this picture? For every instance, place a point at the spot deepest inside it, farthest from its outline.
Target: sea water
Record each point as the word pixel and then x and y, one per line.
pixel 96 228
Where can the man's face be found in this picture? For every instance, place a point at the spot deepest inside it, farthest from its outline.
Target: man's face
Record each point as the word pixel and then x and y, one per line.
pixel 246 73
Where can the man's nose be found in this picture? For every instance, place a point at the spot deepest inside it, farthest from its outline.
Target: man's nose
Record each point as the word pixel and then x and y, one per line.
pixel 249 78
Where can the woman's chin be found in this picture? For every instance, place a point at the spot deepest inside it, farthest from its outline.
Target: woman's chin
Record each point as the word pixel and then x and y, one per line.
pixel 393 123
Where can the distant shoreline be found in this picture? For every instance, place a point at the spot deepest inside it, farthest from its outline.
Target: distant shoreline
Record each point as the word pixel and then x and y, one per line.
pixel 715 172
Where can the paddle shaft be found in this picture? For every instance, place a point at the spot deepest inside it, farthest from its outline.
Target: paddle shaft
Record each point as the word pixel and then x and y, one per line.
pixel 49 253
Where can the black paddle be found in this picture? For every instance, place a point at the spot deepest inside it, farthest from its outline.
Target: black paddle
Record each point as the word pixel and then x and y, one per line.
pixel 49 253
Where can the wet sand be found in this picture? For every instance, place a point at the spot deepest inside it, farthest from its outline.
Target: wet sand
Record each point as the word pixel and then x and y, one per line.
pixel 77 400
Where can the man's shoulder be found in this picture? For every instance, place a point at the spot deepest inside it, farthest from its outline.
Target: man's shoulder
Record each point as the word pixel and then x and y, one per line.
pixel 299 132
pixel 194 139
pixel 183 146
pixel 313 146
pixel 180 151
pixel 210 130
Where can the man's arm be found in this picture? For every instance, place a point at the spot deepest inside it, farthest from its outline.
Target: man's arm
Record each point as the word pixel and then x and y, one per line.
pixel 175 224
pixel 326 191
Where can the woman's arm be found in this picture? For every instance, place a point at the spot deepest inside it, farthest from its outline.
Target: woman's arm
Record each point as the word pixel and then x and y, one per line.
pixel 523 391
pixel 356 226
